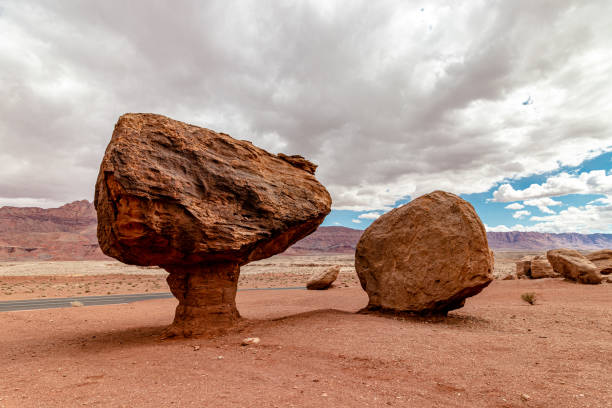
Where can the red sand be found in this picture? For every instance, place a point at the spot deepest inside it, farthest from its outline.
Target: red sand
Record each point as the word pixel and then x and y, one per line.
pixel 315 351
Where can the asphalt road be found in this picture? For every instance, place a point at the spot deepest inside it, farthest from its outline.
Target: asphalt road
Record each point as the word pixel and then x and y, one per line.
pixel 33 304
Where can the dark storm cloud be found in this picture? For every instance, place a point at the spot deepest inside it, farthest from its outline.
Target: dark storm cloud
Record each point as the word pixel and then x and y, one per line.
pixel 385 105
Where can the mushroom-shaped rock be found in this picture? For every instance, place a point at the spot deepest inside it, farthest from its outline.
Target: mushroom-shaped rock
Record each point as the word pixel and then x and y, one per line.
pixel 424 257
pixel 572 265
pixel 200 204
pixel 320 280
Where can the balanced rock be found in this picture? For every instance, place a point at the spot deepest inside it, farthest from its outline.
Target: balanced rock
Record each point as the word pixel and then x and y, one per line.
pixel 424 257
pixel 573 265
pixel 323 279
pixel 541 268
pixel 200 204
pixel 603 260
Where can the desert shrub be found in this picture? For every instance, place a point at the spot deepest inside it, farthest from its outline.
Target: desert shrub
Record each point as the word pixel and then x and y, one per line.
pixel 529 297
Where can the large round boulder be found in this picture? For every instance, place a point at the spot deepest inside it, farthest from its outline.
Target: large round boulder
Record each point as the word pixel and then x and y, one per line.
pixel 573 265
pixel 424 257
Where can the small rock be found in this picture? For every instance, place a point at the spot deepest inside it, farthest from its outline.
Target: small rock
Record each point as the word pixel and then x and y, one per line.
pixel 323 279
pixel 76 303
pixel 219 357
pixel 541 268
pixel 250 340
pixel 525 397
pixel 196 348
pixel 324 394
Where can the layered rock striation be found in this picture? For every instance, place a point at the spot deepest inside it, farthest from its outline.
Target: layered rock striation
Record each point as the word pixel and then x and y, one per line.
pixel 66 233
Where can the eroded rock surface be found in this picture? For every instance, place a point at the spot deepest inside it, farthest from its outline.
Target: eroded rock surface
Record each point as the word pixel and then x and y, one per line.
pixel 602 260
pixel 573 265
pixel 541 268
pixel 200 204
pixel 424 257
pixel 320 280
pixel 523 268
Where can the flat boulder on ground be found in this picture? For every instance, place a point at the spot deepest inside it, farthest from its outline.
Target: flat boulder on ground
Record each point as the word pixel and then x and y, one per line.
pixel 573 265
pixel 603 260
pixel 424 257
pixel 320 280
pixel 523 268
pixel 541 268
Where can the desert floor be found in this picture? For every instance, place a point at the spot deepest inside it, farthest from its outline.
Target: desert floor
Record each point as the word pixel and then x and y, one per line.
pixel 315 349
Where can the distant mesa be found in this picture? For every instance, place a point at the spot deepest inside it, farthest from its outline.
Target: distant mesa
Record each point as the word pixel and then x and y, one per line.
pixel 72 237
pixel 343 240
pixel 540 241
pixel 66 233
pixel 200 204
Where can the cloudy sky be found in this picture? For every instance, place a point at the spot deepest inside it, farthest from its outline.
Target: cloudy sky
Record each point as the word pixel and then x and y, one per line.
pixel 507 103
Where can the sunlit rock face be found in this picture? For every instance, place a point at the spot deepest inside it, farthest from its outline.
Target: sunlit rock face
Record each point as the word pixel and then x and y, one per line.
pixel 424 257
pixel 572 265
pixel 200 204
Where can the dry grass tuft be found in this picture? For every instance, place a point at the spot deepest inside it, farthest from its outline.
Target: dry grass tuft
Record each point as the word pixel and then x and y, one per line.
pixel 529 297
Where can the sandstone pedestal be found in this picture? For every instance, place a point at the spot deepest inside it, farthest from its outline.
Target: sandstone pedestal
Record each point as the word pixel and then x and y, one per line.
pixel 200 204
pixel 206 295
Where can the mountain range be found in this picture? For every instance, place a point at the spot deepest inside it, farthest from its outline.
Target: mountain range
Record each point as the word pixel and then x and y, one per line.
pixel 69 233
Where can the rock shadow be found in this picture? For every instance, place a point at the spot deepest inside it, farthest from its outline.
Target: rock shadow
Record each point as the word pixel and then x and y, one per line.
pixel 450 319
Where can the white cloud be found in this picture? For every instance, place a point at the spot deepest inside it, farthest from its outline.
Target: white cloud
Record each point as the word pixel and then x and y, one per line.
pixel 521 214
pixel 387 107
pixel 30 202
pixel 593 182
pixel 588 219
pixel 369 216
pixel 543 204
pixel 356 221
pixel 515 206
pixel 585 219
pixel 503 228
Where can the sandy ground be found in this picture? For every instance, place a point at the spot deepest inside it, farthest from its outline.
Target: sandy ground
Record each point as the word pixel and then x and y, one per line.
pixel 315 349
pixel 26 280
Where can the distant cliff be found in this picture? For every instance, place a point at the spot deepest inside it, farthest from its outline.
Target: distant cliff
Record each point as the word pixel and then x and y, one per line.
pixel 344 240
pixel 327 240
pixel 543 241
pixel 69 233
pixel 36 234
